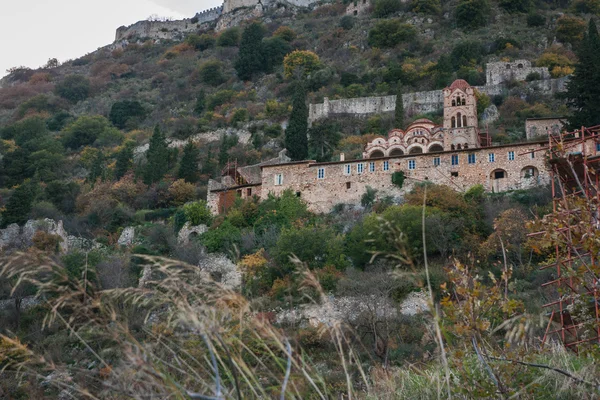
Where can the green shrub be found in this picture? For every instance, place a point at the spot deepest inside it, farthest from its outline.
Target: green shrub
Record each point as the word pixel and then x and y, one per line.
pixel 197 213
pixel 94 130
pixel 534 20
pixel 229 38
pixel 467 53
pixel 122 112
pixel 223 238
pixel 516 6
pixel 273 131
pixel 201 42
pixel 239 115
pixel 219 98
pixel 385 8
pixel 390 33
pixel 433 7
pixel 347 22
pixel 211 73
pixel 398 178
pixel 316 246
pixel 74 88
pixel 368 198
pixel 472 14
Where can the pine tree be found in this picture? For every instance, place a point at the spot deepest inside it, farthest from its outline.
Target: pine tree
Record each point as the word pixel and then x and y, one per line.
pixel 296 139
pixel 124 160
pixel 399 111
pixel 157 158
pixel 583 89
pixel 251 58
pixel 188 167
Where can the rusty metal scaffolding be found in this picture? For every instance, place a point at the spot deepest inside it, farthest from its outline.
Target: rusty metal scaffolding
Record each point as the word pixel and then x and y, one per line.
pixel 573 229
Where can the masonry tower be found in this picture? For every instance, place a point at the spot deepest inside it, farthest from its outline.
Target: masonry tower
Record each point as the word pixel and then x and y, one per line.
pixel 460 117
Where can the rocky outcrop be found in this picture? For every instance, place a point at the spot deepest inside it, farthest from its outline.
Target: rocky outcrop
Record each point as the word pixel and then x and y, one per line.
pixel 15 237
pixel 127 236
pixel 188 231
pixel 490 115
pixel 243 135
pixel 347 309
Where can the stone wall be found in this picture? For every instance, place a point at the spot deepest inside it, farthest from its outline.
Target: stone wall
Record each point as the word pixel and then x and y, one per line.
pixel 170 30
pixel 339 187
pixel 536 127
pixel 415 103
pixel 501 72
pixel 358 7
pixel 230 5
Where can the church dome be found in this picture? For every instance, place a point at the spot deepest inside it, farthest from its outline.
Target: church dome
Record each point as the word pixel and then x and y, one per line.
pixel 460 84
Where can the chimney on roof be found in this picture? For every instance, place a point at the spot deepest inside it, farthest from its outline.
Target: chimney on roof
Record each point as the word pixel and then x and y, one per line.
pixel 342 157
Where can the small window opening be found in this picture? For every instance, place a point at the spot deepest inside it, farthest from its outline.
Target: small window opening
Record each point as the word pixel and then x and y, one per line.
pixel 454 174
pixel 348 185
pixel 298 194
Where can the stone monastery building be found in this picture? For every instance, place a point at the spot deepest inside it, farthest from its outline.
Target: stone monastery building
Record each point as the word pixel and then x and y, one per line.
pixel 455 154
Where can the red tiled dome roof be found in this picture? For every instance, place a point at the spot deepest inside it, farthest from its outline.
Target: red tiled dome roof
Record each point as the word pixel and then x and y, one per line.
pixel 460 84
pixel 422 121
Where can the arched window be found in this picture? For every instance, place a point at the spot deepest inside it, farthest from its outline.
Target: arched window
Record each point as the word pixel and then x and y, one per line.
pixel 507 66
pixel 520 66
pixel 458 147
pixel 464 120
pixel 454 122
pixel 466 146
pixel 452 147
pixel 453 103
pixel 458 120
pixel 464 101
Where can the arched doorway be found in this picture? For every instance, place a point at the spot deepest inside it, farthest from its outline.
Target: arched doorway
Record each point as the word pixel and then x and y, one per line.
pixel 498 180
pixel 529 176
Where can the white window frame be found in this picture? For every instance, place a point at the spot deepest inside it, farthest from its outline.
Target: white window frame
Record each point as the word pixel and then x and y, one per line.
pixel 360 168
pixel 437 161
pixel 372 166
pixel 491 157
pixel 321 173
pixel 412 165
pixel 278 179
pixel 347 169
pixel 386 165
pixel 511 156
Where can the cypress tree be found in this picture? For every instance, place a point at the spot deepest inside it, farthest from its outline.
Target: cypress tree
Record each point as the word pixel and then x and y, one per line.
pixel 188 167
pixel 296 138
pixel 157 158
pixel 583 89
pixel 96 169
pixel 251 57
pixel 399 111
pixel 124 160
pixel 200 103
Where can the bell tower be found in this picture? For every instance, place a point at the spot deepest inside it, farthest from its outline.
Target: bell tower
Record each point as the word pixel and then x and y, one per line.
pixel 460 117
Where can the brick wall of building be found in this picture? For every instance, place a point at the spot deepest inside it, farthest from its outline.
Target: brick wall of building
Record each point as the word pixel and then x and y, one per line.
pixel 338 187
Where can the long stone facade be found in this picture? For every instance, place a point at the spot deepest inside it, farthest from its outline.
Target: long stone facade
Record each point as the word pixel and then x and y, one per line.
pixel 323 185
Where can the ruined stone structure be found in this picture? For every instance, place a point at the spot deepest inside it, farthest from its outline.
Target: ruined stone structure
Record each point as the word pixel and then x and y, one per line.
pixel 501 72
pixel 171 30
pixel 358 7
pixel 231 13
pixel 540 127
pixel 433 100
pixel 451 154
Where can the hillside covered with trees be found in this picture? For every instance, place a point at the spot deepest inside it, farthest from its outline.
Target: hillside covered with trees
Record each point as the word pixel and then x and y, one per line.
pixel 140 292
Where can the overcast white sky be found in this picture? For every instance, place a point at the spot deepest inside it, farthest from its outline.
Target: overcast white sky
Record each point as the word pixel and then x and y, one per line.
pixel 32 31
